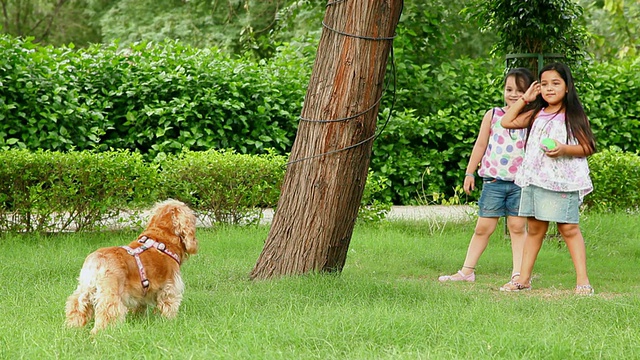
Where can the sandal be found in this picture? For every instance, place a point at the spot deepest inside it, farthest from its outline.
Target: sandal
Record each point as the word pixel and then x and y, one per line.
pixel 470 278
pixel 585 290
pixel 513 286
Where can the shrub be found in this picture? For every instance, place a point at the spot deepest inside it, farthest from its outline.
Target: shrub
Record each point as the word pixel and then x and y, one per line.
pixel 616 179
pixel 153 98
pixel 420 154
pixel 427 142
pixel 372 209
pixel 534 27
pixel 222 185
pixel 611 97
pixel 52 191
pixel 161 99
pixel 226 187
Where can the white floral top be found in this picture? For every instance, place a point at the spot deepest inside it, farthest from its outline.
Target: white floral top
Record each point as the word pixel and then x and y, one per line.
pixel 504 152
pixel 565 173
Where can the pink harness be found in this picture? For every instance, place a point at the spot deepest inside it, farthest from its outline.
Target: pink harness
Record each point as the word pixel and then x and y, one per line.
pixel 148 244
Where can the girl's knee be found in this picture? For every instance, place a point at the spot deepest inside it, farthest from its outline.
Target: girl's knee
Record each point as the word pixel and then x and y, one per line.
pixel 517 228
pixel 485 227
pixel 518 231
pixel 569 231
pixel 537 229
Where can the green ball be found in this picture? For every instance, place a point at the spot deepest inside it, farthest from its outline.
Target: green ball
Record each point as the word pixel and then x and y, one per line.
pixel 548 144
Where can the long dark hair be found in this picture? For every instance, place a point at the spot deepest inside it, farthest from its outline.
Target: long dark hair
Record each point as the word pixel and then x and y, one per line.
pixel 577 123
pixel 523 78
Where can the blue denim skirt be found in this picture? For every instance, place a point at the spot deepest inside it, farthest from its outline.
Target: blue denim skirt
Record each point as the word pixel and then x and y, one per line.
pixel 548 205
pixel 498 198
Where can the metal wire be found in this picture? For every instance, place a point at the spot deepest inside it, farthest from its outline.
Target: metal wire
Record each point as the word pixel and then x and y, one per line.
pixel 373 137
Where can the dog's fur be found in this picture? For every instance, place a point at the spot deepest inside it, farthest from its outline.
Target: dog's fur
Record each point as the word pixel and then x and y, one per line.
pixel 110 284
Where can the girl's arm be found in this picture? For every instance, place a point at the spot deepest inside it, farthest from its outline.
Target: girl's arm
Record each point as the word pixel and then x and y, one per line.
pixel 568 150
pixel 478 151
pixel 513 119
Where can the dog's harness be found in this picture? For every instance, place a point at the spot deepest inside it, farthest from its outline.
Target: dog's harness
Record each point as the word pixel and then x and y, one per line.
pixel 148 244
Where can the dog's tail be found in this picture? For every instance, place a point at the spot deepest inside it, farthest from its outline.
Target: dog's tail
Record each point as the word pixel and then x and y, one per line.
pixel 79 308
pixel 80 305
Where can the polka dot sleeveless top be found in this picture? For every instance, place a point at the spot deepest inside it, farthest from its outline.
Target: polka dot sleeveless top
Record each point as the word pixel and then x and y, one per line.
pixel 504 152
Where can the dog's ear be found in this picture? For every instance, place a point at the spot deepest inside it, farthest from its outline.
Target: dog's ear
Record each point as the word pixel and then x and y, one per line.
pixel 184 224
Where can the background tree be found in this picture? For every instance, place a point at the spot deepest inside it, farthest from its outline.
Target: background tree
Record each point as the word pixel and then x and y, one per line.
pixel 324 182
pixel 55 22
pixel 429 32
pixel 613 25
pixel 533 27
pixel 233 24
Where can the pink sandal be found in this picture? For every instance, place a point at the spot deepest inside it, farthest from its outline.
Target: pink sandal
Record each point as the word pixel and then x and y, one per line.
pixel 513 286
pixel 470 278
pixel 584 290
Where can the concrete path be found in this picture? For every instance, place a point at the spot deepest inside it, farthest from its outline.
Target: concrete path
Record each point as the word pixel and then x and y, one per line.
pixel 431 212
pixel 137 219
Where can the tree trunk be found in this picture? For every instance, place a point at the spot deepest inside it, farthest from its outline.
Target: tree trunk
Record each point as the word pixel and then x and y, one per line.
pixel 327 171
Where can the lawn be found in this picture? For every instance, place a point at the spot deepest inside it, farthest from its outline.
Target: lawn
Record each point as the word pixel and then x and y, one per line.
pixel 386 304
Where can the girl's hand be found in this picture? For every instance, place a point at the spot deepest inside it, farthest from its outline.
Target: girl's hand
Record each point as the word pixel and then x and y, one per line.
pixel 469 184
pixel 532 92
pixel 558 150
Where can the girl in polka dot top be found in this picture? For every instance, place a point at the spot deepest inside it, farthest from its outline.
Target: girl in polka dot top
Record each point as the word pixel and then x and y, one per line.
pixel 498 152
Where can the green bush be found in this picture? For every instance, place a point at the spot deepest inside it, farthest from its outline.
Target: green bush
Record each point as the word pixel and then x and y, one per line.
pixel 51 191
pixel 421 154
pixel 372 209
pixel 611 97
pixel 425 147
pixel 159 100
pixel 155 99
pixel 616 179
pixel 224 186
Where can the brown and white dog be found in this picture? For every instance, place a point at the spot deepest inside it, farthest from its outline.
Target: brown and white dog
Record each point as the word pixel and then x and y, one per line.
pixel 146 272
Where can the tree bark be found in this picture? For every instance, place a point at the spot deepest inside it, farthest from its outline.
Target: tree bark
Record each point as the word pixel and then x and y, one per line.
pixel 327 171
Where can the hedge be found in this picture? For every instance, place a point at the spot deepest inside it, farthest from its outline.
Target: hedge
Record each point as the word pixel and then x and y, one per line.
pixel 51 191
pixel 46 191
pixel 155 99
pixel 616 179
pixel 162 99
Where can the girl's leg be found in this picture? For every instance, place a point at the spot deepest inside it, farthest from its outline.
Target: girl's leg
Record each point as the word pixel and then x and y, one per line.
pixel 535 235
pixel 518 232
pixel 575 242
pixel 479 241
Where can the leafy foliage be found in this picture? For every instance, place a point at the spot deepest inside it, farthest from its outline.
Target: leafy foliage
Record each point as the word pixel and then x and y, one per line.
pixel 233 25
pixel 616 176
pixel 223 186
pixel 160 100
pixel 435 32
pixel 51 191
pixel 55 22
pixel 372 208
pixel 426 145
pixel 156 99
pixel 613 26
pixel 610 95
pixel 534 27
pixel 54 191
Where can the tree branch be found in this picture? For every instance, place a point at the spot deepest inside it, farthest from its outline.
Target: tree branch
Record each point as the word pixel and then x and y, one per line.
pixel 18 24
pixel 5 16
pixel 50 17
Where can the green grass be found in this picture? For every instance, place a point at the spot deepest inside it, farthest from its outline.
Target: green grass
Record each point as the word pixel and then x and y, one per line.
pixel 387 303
